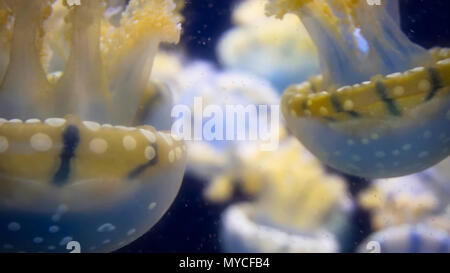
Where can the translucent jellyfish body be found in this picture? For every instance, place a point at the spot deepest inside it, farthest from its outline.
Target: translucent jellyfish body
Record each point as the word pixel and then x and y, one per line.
pixel 418 238
pixel 242 232
pixel 399 201
pixel 381 106
pixel 298 207
pixel 213 102
pixel 409 214
pixel 66 173
pixel 278 50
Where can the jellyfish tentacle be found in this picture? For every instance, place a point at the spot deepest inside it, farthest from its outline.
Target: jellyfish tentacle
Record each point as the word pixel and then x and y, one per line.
pixel 6 24
pixel 83 89
pixel 25 98
pixel 332 26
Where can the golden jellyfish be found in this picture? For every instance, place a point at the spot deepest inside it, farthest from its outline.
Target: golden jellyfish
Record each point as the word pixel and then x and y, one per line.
pixel 75 163
pixel 278 50
pixel 298 206
pixel 381 107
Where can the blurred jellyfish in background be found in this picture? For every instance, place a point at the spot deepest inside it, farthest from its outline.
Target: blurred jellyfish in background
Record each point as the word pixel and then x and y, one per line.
pixel 207 92
pixel 418 238
pixel 280 51
pixel 398 201
pixel 297 207
pixel 440 177
pixel 409 214
pixel 73 69
pixel 380 107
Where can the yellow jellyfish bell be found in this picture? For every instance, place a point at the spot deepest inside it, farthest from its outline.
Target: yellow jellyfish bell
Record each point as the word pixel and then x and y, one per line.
pixel 75 164
pixel 381 107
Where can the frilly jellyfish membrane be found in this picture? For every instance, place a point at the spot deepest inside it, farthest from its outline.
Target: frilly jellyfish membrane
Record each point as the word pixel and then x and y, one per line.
pixel 381 107
pixel 64 176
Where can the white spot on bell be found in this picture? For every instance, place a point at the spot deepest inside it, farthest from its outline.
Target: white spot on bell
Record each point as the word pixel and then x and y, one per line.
pixel 131 231
pixel 16 121
pixel 93 126
pixel 55 122
pixel 106 227
pixel 53 229
pixel 348 105
pixel 32 121
pixel 14 226
pixel 41 142
pixel 424 85
pixel 3 144
pixel 98 145
pixel 38 240
pixel 150 136
pixel 152 205
pixel 129 143
pixel 149 153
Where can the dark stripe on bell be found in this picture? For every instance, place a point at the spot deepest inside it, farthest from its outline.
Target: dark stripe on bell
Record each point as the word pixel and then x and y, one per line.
pixel 329 119
pixel 337 105
pixel 389 103
pixel 353 114
pixel 140 169
pixel 334 99
pixel 436 83
pixel 71 140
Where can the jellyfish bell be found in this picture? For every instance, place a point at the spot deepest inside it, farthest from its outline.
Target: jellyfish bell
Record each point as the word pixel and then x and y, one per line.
pixel 298 206
pixel 228 112
pixel 243 232
pixel 381 106
pixel 68 174
pixel 413 238
pixel 277 50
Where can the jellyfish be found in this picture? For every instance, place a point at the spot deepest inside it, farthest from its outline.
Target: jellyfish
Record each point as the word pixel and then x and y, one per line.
pixel 419 238
pixel 441 173
pixel 380 108
pixel 278 50
pixel 77 165
pixel 297 206
pixel 408 214
pixel 399 201
pixel 243 233
pixel 210 102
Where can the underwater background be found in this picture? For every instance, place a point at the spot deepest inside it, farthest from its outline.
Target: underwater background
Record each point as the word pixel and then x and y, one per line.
pixel 192 224
pixel 284 126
